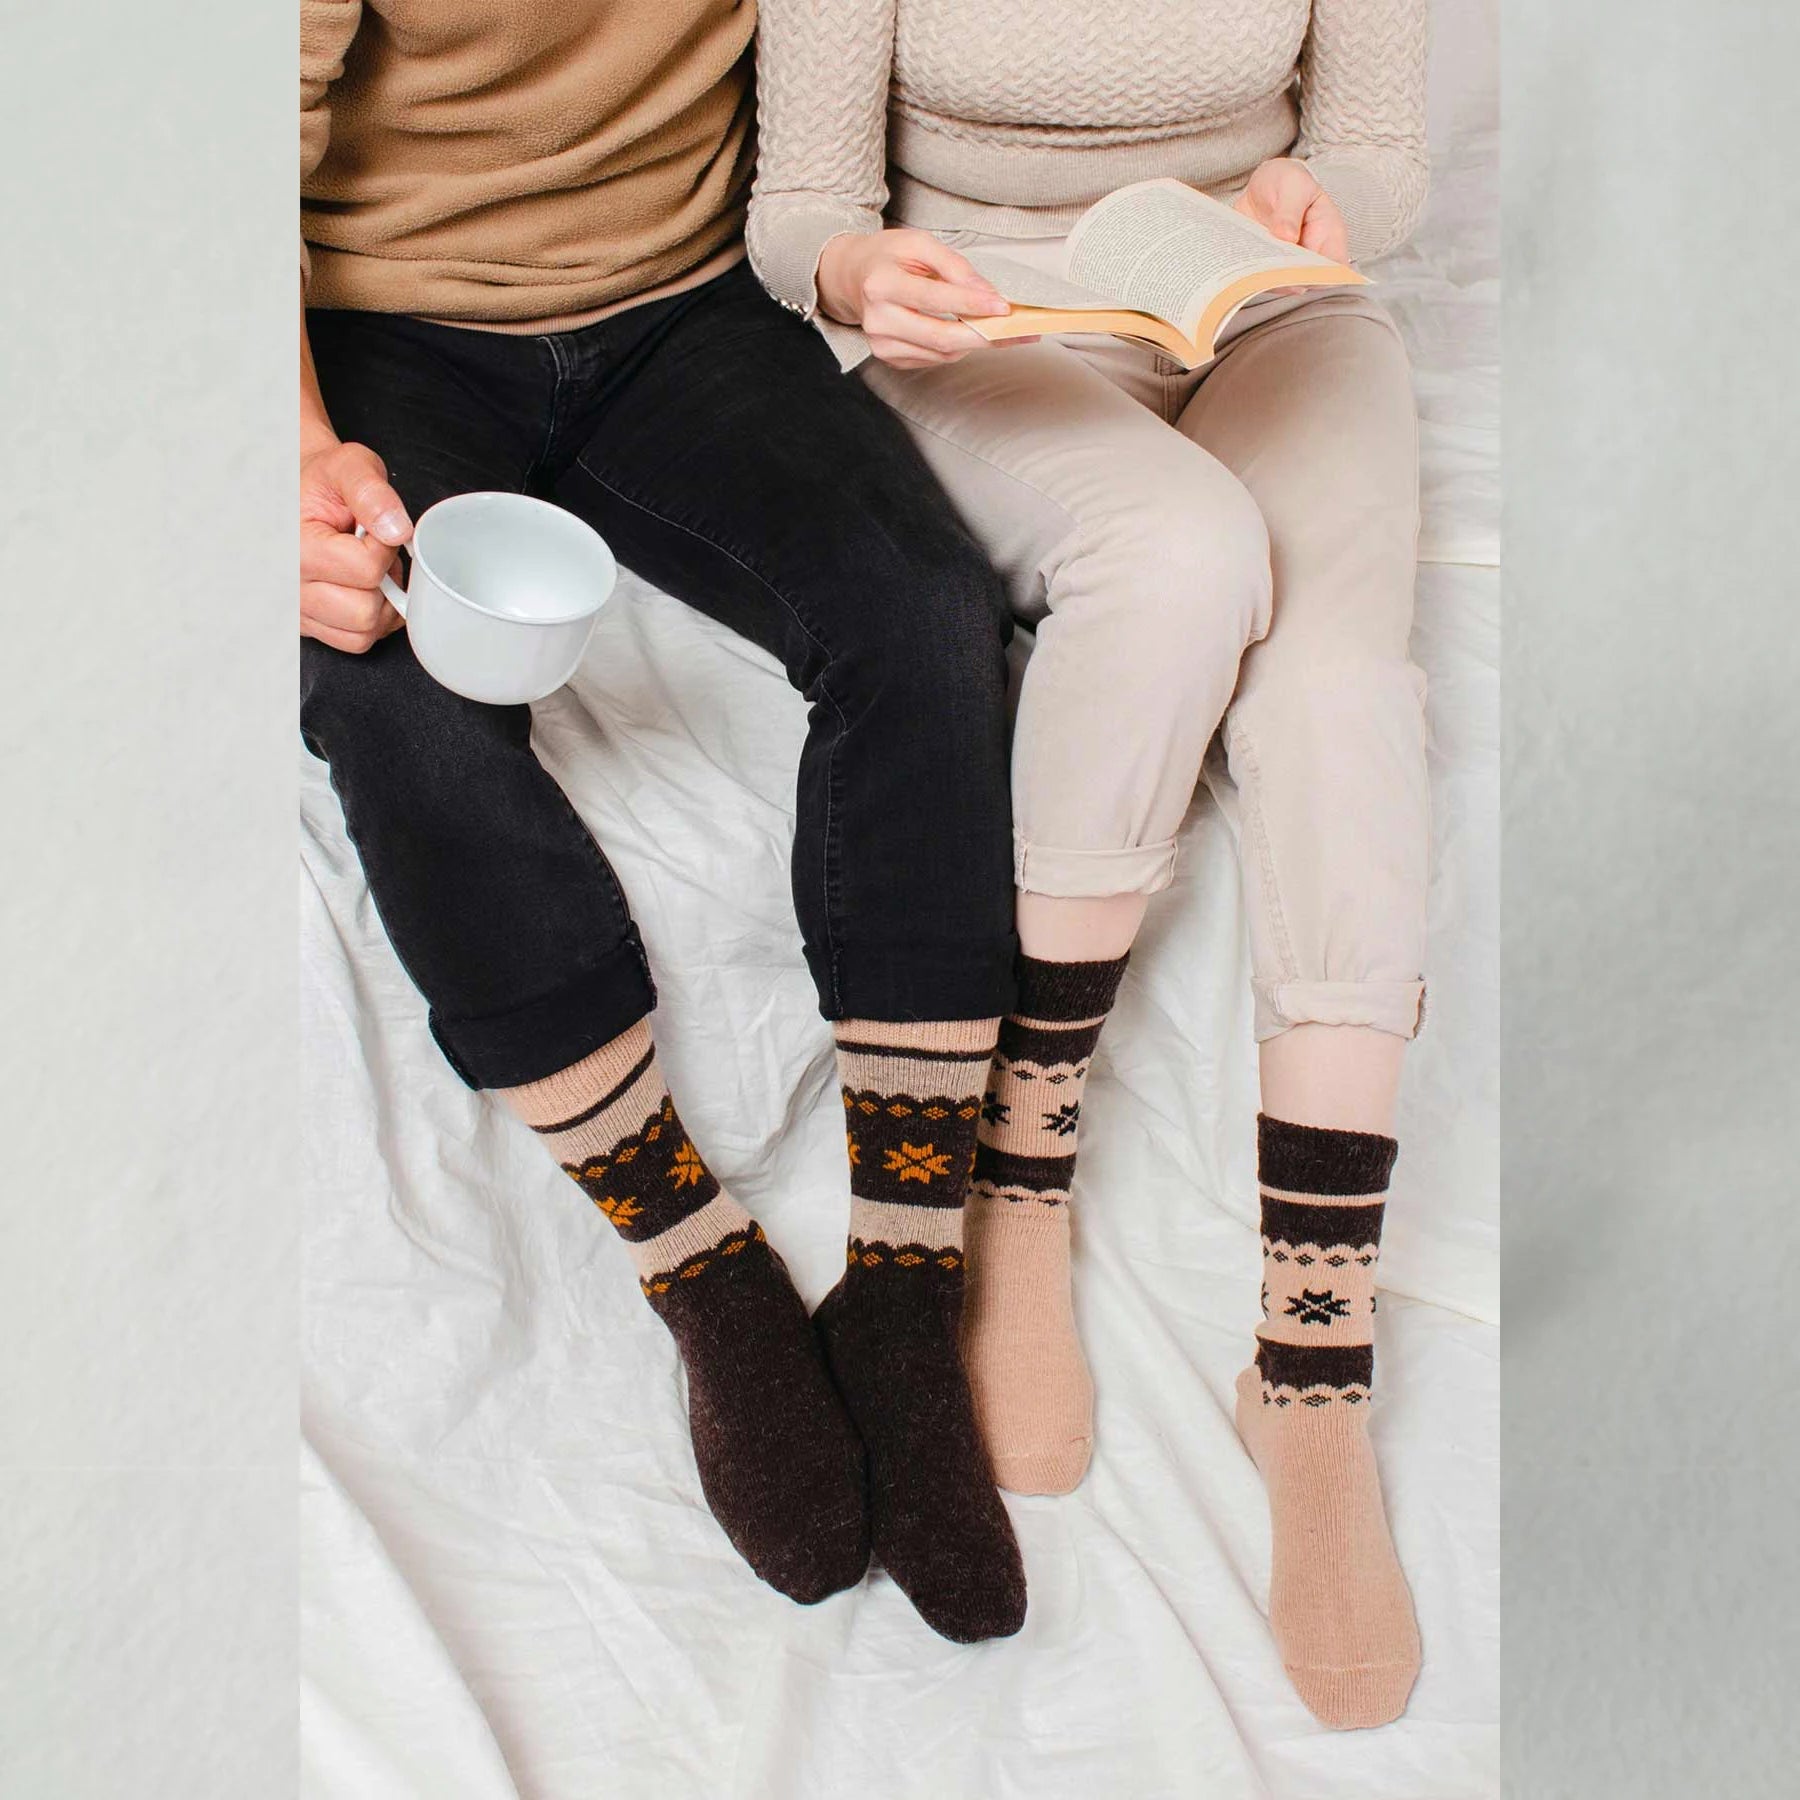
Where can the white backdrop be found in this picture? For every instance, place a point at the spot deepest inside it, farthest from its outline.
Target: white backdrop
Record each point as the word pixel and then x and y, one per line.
pixel 511 1587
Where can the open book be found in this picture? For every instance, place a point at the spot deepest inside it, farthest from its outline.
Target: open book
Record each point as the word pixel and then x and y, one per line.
pixel 1157 261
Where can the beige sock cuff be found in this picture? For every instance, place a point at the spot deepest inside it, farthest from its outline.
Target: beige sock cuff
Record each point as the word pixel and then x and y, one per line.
pixel 947 1059
pixel 544 1105
pixel 902 1035
pixel 699 1232
pixel 887 1222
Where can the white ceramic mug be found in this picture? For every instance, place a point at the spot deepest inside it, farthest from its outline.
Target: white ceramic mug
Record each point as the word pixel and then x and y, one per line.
pixel 503 596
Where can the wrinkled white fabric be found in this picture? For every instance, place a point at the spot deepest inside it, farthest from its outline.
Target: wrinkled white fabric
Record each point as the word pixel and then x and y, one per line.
pixel 512 1586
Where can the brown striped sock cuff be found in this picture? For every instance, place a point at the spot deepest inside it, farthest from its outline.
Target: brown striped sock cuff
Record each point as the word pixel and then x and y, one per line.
pixel 1323 1200
pixel 1314 1159
pixel 1061 992
pixel 1031 1109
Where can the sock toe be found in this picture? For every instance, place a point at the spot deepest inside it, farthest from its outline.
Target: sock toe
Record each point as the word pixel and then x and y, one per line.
pixel 937 1523
pixel 780 1463
pixel 950 1548
pixel 1355 1699
pixel 807 1533
pixel 1054 1469
pixel 830 1563
pixel 990 1605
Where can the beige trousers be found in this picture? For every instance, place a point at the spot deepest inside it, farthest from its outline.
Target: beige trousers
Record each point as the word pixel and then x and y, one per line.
pixel 1234 545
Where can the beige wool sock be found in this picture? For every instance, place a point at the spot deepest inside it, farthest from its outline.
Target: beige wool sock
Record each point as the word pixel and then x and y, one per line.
pixel 1339 1605
pixel 1033 1393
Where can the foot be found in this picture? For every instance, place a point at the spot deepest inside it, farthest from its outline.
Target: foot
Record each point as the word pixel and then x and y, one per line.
pixel 1034 1398
pixel 780 1463
pixel 1338 1603
pixel 936 1523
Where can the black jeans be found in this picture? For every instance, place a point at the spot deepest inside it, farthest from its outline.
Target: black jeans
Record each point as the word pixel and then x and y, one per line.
pixel 712 440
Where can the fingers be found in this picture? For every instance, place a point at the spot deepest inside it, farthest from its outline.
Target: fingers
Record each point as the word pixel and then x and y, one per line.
pixel 899 355
pixel 355 477
pixel 921 248
pixel 355 643
pixel 928 294
pixel 945 336
pixel 336 556
pixel 347 618
pixel 341 603
pixel 1285 212
pixel 1323 229
pixel 1277 198
pixel 364 485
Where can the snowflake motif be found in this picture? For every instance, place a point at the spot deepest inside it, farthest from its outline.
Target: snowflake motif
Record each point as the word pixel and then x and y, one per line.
pixel 688 1168
pixel 1316 1309
pixel 622 1209
pixel 1064 1119
pixel 918 1162
pixel 994 1110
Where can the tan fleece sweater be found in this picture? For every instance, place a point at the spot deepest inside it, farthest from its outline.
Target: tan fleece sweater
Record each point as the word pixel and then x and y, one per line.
pixel 511 162
pixel 1013 116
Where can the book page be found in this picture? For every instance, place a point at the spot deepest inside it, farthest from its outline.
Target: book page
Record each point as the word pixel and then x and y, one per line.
pixel 1168 249
pixel 1026 286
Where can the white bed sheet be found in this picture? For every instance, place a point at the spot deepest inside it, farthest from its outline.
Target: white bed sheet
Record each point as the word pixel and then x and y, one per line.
pixel 511 1587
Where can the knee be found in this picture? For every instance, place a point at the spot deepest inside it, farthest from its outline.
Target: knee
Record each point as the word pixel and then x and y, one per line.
pixel 1218 544
pixel 931 634
pixel 1186 566
pixel 381 722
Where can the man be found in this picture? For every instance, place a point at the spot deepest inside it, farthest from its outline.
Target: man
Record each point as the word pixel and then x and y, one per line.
pixel 522 270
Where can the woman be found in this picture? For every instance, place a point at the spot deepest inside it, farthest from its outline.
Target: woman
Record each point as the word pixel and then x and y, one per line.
pixel 1158 528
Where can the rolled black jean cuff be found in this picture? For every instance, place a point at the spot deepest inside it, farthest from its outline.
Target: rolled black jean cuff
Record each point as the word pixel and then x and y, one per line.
pixel 547 1034
pixel 917 981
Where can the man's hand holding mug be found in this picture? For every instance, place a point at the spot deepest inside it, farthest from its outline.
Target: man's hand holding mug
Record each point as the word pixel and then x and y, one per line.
pixel 343 486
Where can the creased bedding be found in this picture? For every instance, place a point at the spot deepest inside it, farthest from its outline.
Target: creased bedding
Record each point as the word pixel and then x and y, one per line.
pixel 511 1584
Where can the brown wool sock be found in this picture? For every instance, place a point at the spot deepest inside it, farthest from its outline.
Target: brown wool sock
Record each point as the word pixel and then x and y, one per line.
pixel 1338 1603
pixel 938 1526
pixel 780 1463
pixel 1033 1394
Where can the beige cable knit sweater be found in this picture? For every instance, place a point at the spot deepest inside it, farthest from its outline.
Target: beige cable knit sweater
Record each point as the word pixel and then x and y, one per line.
pixel 1013 116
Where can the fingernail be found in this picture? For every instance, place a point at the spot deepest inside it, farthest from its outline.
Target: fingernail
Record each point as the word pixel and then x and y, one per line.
pixel 392 527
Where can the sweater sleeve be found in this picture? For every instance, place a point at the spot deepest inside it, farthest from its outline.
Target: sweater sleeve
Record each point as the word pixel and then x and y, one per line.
pixel 1362 116
pixel 822 71
pixel 326 30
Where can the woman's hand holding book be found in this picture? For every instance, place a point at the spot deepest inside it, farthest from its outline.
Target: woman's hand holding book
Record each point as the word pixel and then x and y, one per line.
pixel 1283 196
pixel 907 291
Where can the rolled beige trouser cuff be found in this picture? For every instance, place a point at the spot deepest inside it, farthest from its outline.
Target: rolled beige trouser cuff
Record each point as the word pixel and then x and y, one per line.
pixel 1393 1006
pixel 1092 874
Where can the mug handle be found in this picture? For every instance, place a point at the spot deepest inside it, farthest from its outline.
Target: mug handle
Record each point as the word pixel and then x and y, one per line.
pixel 396 594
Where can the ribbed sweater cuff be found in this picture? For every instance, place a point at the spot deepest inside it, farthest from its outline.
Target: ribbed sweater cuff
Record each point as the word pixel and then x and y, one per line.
pixel 787 234
pixel 1365 197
